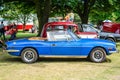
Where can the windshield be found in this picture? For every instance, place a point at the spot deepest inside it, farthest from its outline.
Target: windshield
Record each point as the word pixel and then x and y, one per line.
pixel 61 35
pixel 75 36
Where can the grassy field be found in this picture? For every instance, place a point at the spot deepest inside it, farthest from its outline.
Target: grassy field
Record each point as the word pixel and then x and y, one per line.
pixel 12 68
pixel 22 35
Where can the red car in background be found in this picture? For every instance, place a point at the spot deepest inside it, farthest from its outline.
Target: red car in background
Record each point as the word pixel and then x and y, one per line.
pixel 27 27
pixel 65 26
pixel 111 27
pixel 19 27
pixel 9 30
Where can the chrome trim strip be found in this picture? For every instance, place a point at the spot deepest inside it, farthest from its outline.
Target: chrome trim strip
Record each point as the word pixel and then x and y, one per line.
pixel 63 56
pixel 13 50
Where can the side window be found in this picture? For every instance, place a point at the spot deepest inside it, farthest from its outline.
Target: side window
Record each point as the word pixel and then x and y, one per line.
pixel 80 27
pixel 49 28
pixel 58 36
pixel 72 28
pixel 62 36
pixel 88 28
pixel 58 28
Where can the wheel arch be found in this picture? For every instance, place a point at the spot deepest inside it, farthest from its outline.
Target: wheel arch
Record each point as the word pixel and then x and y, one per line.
pixel 29 47
pixel 98 47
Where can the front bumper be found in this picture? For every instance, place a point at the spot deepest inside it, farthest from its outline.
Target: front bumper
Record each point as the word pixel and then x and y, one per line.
pixel 117 51
pixel 112 51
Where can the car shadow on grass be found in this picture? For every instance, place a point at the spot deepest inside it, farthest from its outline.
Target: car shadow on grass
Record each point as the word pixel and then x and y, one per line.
pixel 41 59
pixel 48 59
pixel 10 59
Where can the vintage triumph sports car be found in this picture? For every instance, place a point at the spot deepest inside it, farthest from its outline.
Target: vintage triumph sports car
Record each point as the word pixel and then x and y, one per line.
pixel 60 43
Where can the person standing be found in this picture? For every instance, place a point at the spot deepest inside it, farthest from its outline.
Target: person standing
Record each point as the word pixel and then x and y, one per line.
pixel 67 18
pixel 100 25
pixel 2 31
pixel 71 15
pixel 13 31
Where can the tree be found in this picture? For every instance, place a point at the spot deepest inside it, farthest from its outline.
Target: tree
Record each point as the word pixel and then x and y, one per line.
pixel 102 10
pixel 24 13
pixel 18 12
pixel 60 7
pixel 43 12
pixel 86 9
pixel 81 7
pixel 116 10
pixel 41 9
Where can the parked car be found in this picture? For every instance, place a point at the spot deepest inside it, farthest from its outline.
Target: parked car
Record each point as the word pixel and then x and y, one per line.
pixel 19 27
pixel 111 27
pixel 60 43
pixel 102 35
pixel 65 26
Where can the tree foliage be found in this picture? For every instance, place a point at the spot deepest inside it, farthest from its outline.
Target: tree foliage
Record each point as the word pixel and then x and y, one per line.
pixel 102 10
pixel 88 10
pixel 40 8
pixel 60 7
pixel 17 11
pixel 81 7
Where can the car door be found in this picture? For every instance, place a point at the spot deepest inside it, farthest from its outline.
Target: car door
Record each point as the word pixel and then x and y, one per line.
pixel 65 48
pixel 63 43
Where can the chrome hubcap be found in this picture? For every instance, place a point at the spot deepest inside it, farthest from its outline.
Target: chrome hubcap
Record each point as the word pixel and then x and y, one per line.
pixel 29 55
pixel 98 55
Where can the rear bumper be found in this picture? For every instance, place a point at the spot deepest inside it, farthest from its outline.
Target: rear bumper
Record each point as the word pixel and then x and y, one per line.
pixel 12 50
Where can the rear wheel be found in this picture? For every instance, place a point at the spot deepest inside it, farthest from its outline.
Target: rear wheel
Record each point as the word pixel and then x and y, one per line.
pixel 98 55
pixel 29 55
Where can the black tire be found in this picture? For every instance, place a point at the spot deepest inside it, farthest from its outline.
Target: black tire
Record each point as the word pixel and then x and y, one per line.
pixel 29 55
pixel 110 39
pixel 98 55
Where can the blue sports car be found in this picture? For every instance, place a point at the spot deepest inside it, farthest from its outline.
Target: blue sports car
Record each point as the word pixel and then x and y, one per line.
pixel 60 43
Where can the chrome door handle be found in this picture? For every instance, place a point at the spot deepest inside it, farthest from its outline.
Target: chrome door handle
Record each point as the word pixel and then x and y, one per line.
pixel 53 45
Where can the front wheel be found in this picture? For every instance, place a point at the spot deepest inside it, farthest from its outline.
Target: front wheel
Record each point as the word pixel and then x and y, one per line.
pixel 29 55
pixel 98 55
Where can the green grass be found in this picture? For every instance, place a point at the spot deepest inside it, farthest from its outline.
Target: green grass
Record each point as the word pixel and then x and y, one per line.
pixel 59 69
pixel 21 35
pixel 25 35
pixel 12 68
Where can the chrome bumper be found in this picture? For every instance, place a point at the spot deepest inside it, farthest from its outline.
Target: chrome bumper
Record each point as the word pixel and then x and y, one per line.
pixel 112 51
pixel 12 50
pixel 117 51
